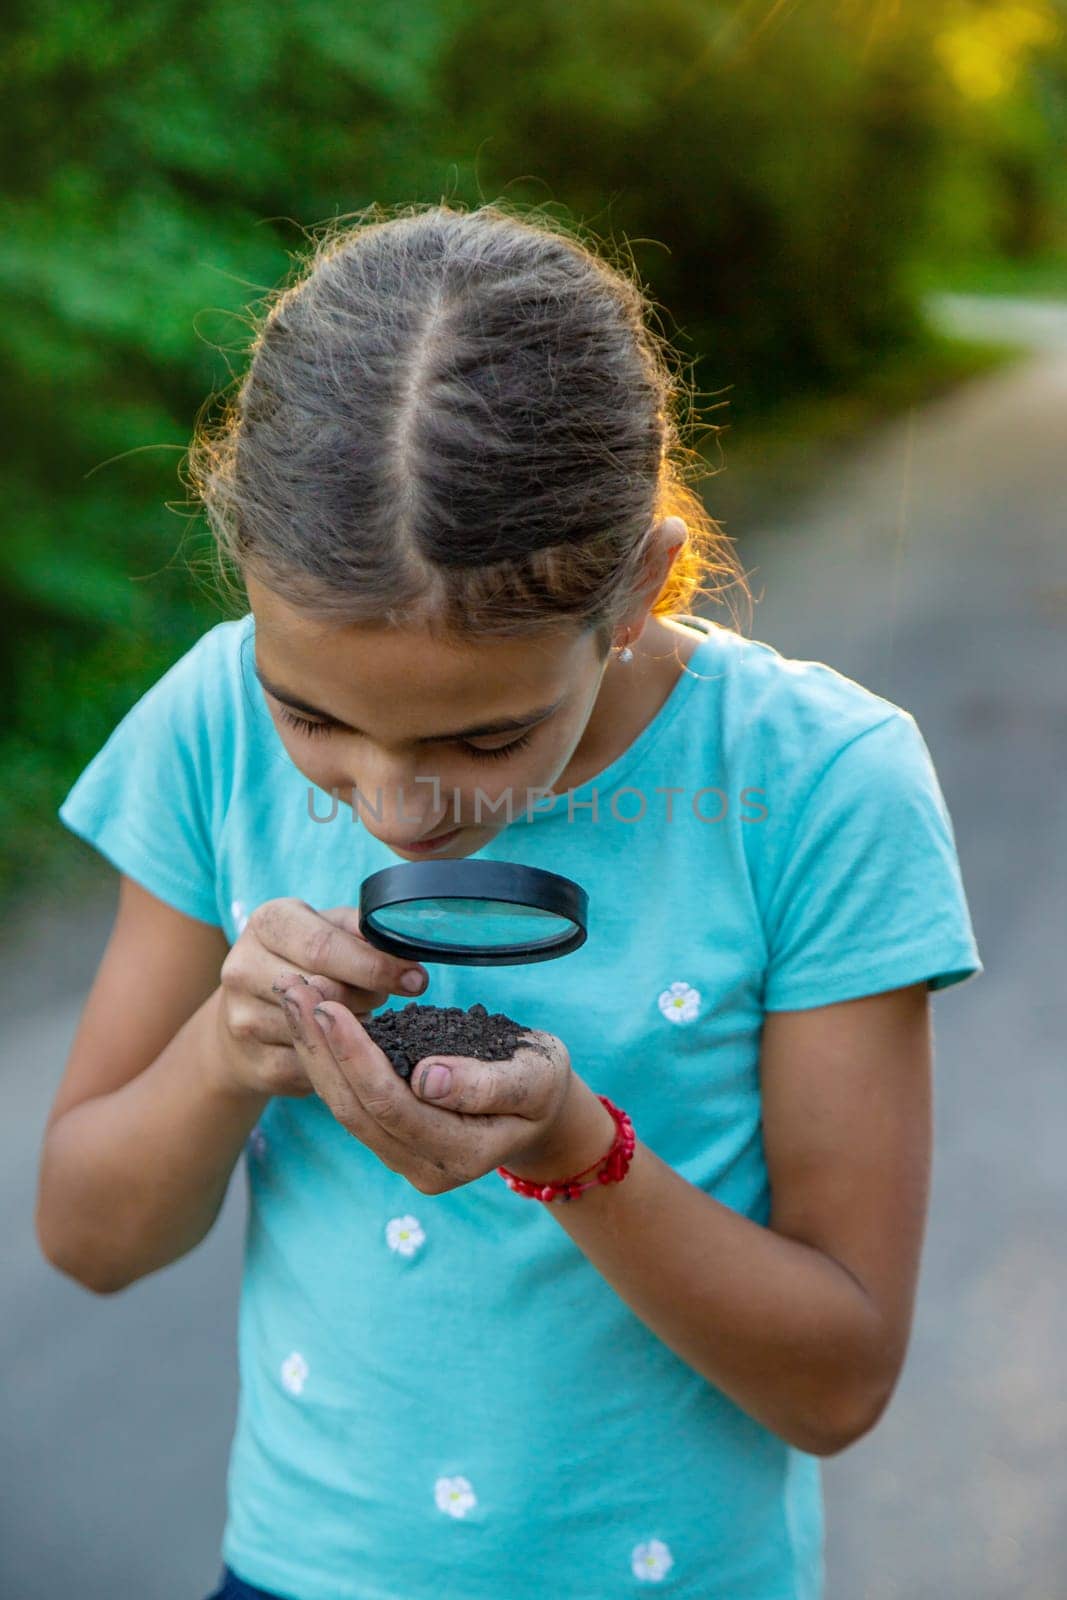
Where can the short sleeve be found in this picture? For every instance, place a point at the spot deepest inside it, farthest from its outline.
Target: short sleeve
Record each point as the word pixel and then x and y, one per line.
pixel 871 896
pixel 145 800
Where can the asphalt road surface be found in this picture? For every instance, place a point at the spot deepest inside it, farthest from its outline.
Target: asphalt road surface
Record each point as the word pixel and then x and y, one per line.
pixel 931 567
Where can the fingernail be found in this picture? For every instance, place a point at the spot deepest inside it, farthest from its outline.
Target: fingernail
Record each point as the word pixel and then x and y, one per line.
pixel 325 1019
pixel 287 980
pixel 413 981
pixel 435 1082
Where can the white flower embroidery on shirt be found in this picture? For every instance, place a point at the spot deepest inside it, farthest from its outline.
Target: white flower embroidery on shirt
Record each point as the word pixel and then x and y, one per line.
pixel 404 1235
pixel 454 1495
pixel 680 1003
pixel 294 1372
pixel 257 1143
pixel 651 1561
pixel 237 912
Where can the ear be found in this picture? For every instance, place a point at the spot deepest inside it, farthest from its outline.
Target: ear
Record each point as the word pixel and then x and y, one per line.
pixel 671 534
pixel 668 537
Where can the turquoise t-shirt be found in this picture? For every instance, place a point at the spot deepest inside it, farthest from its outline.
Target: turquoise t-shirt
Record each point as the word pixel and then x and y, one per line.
pixel 441 1395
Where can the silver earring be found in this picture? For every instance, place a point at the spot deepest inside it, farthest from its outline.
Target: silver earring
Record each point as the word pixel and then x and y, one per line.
pixel 626 654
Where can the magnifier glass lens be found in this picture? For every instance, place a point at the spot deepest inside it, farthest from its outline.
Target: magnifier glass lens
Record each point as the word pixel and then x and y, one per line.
pixel 477 924
pixel 477 913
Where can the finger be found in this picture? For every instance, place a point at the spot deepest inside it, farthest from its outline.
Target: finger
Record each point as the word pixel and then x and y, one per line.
pixel 312 1046
pixel 529 1084
pixel 347 919
pixel 462 1146
pixel 260 976
pixel 359 1001
pixel 447 1148
pixel 296 933
pixel 356 1081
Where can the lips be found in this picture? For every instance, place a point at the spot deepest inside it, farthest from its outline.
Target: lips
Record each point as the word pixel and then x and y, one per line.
pixel 437 839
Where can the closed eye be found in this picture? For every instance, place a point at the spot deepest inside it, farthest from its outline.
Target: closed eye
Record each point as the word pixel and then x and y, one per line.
pixel 498 750
pixel 303 724
pixel 314 729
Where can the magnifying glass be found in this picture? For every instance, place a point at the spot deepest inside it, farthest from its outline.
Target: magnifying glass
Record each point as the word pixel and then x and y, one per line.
pixel 472 913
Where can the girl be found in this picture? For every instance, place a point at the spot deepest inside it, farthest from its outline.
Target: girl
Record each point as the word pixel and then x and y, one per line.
pixel 453 486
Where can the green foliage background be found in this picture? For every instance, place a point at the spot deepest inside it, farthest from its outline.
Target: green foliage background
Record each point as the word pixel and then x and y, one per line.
pixel 785 178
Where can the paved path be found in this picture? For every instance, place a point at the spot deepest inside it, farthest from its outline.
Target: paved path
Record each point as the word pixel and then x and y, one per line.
pixel 933 569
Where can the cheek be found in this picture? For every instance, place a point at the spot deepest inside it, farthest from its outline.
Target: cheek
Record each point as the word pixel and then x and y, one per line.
pixel 463 783
pixel 316 760
pixel 537 767
pixel 307 757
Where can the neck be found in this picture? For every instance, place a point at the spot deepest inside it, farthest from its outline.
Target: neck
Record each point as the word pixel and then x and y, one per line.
pixel 629 696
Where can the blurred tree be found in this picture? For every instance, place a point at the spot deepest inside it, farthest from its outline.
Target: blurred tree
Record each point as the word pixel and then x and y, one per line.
pixel 1001 186
pixel 771 168
pixel 165 155
pixel 782 172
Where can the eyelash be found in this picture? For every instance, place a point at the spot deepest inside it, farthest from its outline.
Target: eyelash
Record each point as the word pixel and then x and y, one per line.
pixel 304 725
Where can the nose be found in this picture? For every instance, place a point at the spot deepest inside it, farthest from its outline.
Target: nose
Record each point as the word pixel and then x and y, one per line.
pixel 399 811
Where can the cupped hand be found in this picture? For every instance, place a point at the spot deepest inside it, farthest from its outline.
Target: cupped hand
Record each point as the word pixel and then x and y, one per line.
pixel 493 1114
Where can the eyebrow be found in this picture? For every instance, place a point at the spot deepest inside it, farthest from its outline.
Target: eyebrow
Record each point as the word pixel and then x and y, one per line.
pixel 501 725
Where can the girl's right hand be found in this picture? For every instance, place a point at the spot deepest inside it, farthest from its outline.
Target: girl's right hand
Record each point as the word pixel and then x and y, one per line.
pixel 284 941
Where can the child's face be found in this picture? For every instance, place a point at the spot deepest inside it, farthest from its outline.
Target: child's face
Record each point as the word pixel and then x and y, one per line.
pixel 386 697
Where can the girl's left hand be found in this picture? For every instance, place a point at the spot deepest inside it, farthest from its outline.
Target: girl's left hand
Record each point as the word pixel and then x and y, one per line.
pixel 494 1113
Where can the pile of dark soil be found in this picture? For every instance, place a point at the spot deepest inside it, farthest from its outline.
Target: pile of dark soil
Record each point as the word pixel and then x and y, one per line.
pixel 408 1033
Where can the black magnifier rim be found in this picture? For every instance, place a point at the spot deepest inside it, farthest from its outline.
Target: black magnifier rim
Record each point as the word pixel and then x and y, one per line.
pixel 508 881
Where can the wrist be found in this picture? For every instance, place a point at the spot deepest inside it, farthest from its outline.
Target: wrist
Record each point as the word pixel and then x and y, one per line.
pixel 582 1134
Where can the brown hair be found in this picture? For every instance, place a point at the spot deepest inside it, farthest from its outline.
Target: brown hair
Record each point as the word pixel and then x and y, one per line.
pixel 460 419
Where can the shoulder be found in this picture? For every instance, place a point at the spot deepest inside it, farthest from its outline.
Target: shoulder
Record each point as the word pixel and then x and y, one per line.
pixel 204 695
pixel 207 703
pixel 154 798
pixel 795 713
pixel 181 734
pixel 814 745
pixel 212 663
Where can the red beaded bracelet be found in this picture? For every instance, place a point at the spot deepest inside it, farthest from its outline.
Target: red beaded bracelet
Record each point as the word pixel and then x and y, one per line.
pixel 616 1164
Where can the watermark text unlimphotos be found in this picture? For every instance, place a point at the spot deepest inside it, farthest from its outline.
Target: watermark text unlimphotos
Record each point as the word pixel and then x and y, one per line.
pixel 711 803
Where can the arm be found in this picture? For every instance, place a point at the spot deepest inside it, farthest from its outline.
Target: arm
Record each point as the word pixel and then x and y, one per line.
pixel 132 1180
pixel 141 1139
pixel 137 1157
pixel 803 1323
